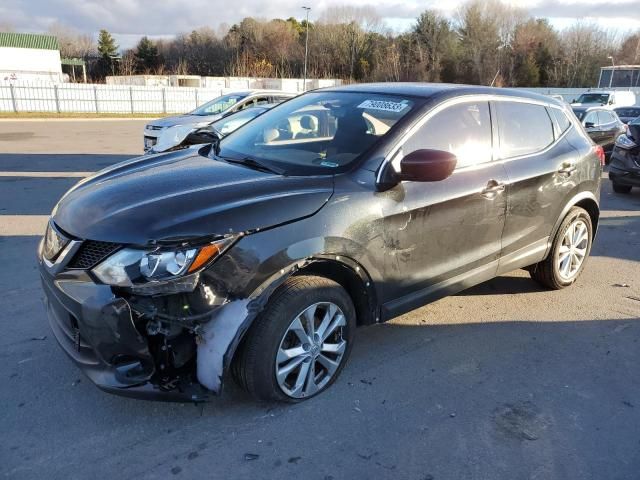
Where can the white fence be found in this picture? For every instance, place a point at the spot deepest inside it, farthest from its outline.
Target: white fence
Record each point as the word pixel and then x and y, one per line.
pixel 73 97
pixel 131 99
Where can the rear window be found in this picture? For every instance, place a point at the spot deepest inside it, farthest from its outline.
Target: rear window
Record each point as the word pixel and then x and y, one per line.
pixel 524 128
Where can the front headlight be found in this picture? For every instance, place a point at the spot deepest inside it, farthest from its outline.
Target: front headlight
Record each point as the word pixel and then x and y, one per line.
pixel 144 270
pixel 200 124
pixel 624 141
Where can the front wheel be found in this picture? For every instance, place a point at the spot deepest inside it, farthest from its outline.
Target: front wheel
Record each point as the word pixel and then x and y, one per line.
pixel 300 343
pixel 569 252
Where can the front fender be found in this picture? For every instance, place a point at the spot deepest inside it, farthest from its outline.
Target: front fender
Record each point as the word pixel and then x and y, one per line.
pixel 221 336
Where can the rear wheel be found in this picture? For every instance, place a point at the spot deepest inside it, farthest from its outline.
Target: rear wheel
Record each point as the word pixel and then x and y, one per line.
pixel 299 345
pixel 620 188
pixel 569 252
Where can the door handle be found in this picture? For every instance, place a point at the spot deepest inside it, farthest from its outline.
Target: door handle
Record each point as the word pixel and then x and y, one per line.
pixel 567 168
pixel 492 189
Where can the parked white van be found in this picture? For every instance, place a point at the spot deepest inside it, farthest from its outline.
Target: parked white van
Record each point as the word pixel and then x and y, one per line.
pixel 606 98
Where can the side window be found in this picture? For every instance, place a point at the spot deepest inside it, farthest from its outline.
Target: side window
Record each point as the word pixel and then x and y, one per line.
pixel 592 117
pixel 463 129
pixel 561 120
pixel 523 128
pixel 262 100
pixel 609 117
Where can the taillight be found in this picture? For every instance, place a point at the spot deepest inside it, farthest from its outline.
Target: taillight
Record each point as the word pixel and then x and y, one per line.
pixel 600 153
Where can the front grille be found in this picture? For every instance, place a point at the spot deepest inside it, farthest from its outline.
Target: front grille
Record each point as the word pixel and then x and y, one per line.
pixel 91 253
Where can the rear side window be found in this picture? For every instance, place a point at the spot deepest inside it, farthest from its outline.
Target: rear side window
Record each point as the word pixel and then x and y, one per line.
pixel 524 128
pixel 561 120
pixel 463 129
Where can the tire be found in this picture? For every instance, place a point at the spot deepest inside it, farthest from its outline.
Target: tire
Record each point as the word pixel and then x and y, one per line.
pixel 255 365
pixel 549 273
pixel 620 188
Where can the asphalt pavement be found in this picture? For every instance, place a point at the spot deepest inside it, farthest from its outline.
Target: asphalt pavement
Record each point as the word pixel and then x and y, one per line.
pixel 503 381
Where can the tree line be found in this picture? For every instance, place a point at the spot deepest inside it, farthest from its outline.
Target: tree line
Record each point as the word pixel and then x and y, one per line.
pixel 486 42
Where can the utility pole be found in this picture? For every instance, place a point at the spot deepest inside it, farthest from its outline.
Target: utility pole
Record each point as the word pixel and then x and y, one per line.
pixel 306 50
pixel 613 70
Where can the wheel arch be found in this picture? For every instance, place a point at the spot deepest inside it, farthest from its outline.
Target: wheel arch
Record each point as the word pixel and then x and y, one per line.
pixel 341 269
pixel 586 200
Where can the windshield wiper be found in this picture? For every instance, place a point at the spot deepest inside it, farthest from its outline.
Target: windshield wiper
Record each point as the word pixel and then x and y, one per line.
pixel 256 164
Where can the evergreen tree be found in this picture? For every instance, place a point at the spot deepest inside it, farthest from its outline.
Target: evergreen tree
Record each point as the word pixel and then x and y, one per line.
pixel 147 55
pixel 108 52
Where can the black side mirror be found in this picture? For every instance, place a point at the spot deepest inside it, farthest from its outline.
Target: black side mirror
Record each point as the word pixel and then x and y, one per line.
pixel 589 125
pixel 427 165
pixel 202 135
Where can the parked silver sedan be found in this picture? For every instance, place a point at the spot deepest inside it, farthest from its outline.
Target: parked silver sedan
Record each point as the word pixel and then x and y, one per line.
pixel 214 110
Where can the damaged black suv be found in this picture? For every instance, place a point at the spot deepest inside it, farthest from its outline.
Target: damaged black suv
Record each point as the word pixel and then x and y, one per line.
pixel 259 255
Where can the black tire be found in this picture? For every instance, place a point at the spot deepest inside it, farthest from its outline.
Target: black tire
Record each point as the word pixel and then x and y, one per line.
pixel 546 273
pixel 620 188
pixel 254 366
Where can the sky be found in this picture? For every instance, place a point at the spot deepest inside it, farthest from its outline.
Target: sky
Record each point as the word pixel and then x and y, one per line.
pixel 128 20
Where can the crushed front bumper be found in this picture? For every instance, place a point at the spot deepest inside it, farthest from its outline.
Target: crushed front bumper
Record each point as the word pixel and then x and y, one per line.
pixel 96 330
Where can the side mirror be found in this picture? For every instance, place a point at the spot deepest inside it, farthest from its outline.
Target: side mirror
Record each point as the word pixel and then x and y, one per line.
pixel 427 165
pixel 589 125
pixel 202 135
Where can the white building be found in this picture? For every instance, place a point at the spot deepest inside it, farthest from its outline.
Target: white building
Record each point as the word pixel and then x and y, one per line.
pixel 26 57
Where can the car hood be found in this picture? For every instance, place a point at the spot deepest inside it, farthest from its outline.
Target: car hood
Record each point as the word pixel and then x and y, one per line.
pixel 184 120
pixel 182 195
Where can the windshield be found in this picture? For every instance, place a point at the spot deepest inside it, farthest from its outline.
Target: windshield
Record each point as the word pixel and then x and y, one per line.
pixel 234 121
pixel 628 112
pixel 601 98
pixel 218 105
pixel 317 133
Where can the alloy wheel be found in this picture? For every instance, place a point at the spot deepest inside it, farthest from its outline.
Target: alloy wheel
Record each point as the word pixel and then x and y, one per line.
pixel 573 249
pixel 311 350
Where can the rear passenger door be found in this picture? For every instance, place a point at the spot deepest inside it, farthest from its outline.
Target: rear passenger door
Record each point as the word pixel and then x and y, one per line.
pixel 540 165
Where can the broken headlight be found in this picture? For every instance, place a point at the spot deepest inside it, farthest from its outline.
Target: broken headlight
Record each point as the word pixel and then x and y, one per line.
pixel 162 270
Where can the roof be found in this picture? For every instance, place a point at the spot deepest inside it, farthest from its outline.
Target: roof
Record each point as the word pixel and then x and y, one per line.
pixel 441 90
pixel 29 40
pixel 584 108
pixel 72 61
pixel 619 67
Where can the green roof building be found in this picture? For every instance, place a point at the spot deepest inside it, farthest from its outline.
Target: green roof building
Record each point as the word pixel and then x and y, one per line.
pixel 28 57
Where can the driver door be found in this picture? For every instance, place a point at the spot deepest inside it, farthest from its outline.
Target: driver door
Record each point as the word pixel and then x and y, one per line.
pixel 441 237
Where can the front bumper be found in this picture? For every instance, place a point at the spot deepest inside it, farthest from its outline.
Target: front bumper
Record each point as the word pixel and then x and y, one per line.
pixel 96 330
pixel 624 168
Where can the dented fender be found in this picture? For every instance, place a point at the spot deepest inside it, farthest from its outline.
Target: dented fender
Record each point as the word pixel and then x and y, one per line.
pixel 221 335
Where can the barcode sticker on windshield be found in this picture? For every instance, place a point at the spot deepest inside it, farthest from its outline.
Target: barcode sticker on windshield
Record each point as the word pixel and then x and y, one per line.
pixel 384 105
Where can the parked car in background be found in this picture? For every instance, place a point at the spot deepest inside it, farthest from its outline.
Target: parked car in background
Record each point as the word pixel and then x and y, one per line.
pixel 213 110
pixel 342 207
pixel 183 136
pixel 601 124
pixel 608 99
pixel 624 170
pixel 626 114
